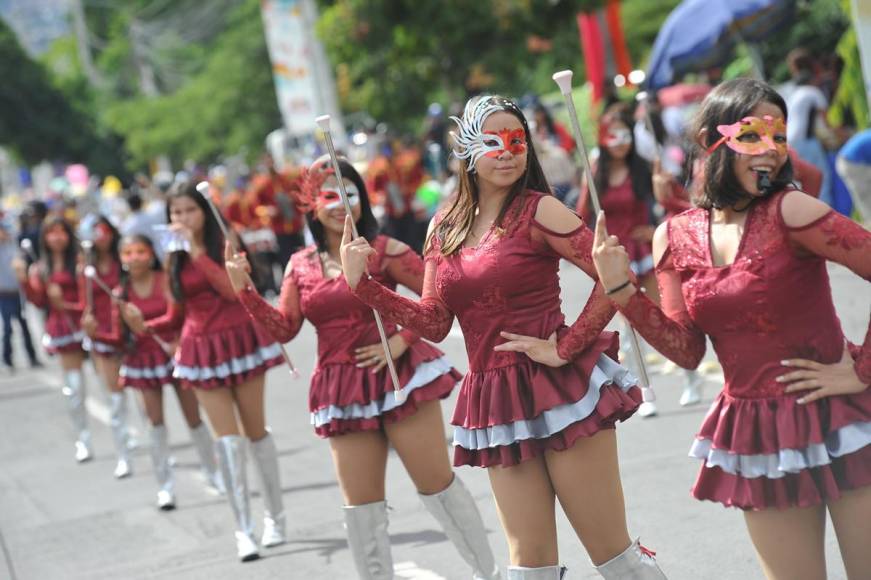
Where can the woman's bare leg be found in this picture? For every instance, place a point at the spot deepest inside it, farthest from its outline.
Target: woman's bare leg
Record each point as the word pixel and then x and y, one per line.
pixel 790 543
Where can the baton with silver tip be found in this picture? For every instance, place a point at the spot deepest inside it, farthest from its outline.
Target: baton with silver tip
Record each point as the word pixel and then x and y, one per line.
pixel 564 80
pixel 324 123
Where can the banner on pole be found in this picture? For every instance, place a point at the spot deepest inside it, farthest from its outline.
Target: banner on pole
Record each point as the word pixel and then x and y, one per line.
pixel 294 51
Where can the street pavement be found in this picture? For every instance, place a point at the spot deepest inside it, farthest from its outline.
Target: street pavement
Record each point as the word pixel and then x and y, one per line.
pixel 60 520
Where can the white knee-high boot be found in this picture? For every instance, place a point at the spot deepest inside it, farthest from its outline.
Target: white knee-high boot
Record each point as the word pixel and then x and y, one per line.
pixel 456 511
pixel 231 457
pixel 266 459
pixel 367 537
pixel 74 391
pixel 205 447
pixel 162 468
pixel 118 423
pixel 634 563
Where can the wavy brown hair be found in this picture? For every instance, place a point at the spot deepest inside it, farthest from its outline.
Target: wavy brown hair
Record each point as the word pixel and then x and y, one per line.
pixel 455 223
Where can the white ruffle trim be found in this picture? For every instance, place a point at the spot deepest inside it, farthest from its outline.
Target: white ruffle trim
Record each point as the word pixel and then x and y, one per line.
pixel 424 374
pixel 97 346
pixel 234 366
pixel 553 420
pixel 155 372
pixel 54 342
pixel 838 443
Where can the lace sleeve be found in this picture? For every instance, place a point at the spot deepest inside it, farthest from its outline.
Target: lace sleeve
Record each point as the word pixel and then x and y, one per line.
pixel 216 275
pixel 429 317
pixel 406 268
pixel 284 322
pixel 670 330
pixel 840 239
pixel 575 245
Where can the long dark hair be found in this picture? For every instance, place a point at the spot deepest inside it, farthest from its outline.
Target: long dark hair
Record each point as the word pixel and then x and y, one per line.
pixel 113 245
pixel 639 171
pixel 70 252
pixel 729 103
pixel 367 225
pixel 213 238
pixel 456 222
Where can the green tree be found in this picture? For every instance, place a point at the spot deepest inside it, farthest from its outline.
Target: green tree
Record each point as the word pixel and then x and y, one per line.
pixel 228 105
pixel 396 56
pixel 37 120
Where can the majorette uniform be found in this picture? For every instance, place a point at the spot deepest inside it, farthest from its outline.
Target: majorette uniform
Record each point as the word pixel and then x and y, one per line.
pixel 343 397
pixel 219 345
pixel 146 365
pixel 104 343
pixel 510 408
pixel 760 447
pixel 62 332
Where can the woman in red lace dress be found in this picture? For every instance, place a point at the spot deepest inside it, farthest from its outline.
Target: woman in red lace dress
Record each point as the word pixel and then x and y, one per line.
pixel 101 324
pixel 540 401
pixel 147 365
pixel 224 357
pixel 352 399
pixel 51 284
pixel 788 438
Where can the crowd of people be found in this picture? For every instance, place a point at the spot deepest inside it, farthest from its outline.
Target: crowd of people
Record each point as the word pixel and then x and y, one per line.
pixel 702 237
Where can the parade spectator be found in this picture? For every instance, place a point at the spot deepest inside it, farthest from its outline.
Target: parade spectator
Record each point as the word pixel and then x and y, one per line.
pixel 854 167
pixel 10 300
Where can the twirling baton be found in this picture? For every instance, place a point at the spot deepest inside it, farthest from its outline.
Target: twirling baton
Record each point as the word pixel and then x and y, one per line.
pixel 564 80
pixel 88 248
pixel 203 189
pixel 324 123
pixel 91 274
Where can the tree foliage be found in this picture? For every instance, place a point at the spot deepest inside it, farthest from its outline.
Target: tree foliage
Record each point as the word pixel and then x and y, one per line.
pixel 396 56
pixel 38 120
pixel 227 106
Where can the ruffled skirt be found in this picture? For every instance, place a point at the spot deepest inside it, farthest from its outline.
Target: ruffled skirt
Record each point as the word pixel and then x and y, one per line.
pixel 59 337
pixel 778 453
pixel 507 415
pixel 345 399
pixel 146 368
pixel 226 357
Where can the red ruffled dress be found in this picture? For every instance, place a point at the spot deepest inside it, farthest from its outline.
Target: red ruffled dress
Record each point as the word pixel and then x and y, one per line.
pixel 344 398
pixel 510 408
pixel 146 365
pixel 105 342
pixel 761 448
pixel 219 345
pixel 62 332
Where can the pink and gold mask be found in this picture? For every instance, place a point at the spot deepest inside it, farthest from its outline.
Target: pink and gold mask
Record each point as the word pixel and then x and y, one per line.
pixel 753 136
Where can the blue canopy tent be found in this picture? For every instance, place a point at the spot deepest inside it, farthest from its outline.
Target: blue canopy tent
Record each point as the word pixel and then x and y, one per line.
pixel 701 34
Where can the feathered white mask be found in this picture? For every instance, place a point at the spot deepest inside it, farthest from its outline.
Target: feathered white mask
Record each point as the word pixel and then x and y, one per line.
pixel 469 140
